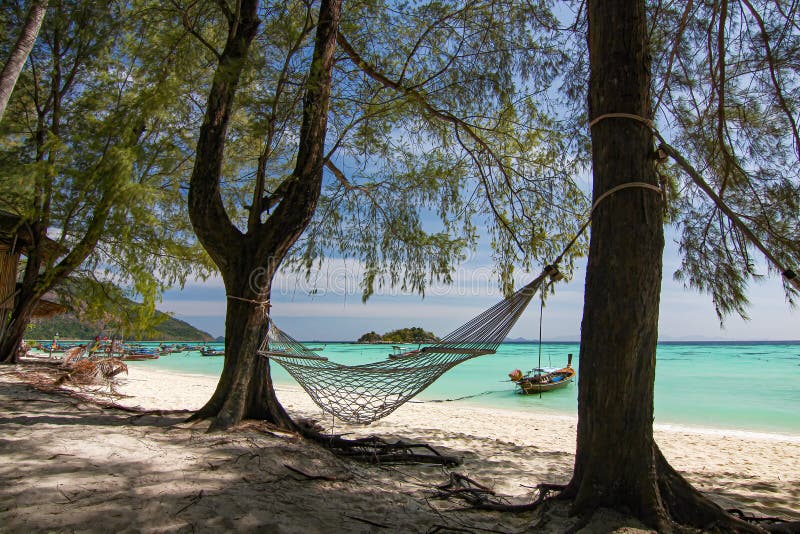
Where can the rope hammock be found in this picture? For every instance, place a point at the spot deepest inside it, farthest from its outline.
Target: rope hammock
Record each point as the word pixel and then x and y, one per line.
pixel 365 393
pixel 368 392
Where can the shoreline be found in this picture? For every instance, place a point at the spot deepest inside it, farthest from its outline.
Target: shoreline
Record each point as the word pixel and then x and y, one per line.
pixel 550 413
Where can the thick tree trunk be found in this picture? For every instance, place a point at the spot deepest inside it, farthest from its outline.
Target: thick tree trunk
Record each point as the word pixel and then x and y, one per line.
pixel 617 463
pixel 245 389
pixel 30 291
pixel 19 53
pixel 15 331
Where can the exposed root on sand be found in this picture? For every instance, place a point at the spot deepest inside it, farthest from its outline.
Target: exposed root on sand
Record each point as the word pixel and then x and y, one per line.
pixel 480 497
pixel 476 496
pixel 376 450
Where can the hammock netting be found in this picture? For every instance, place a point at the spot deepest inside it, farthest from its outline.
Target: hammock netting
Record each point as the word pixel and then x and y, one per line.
pixel 365 393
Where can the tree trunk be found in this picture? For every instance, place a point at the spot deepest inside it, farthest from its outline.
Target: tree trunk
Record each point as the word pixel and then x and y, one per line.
pixel 15 331
pixel 617 463
pixel 30 291
pixel 623 278
pixel 19 53
pixel 245 388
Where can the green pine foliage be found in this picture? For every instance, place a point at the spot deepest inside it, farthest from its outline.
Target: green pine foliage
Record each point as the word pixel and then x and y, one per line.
pixel 436 138
pixel 727 94
pixel 96 145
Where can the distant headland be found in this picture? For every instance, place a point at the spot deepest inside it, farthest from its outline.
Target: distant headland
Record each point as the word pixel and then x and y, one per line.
pixel 68 326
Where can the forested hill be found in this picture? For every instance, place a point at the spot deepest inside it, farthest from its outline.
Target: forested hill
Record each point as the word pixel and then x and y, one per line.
pixel 403 335
pixel 69 327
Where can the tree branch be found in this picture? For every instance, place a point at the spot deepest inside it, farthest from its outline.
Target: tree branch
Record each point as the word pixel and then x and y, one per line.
pixel 187 24
pixel 774 77
pixel 20 51
pixel 304 187
pixel 789 274
pixel 445 116
pixel 207 212
pixel 259 206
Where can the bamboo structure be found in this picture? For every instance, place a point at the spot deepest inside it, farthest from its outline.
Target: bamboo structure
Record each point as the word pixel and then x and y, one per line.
pixel 9 260
pixel 15 239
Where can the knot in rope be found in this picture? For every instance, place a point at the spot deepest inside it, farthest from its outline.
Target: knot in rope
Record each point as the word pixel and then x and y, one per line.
pixel 261 303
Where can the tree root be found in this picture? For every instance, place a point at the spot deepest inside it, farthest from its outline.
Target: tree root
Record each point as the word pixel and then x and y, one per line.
pixel 480 497
pixel 309 476
pixel 676 506
pixel 376 450
pixel 687 506
pixel 770 524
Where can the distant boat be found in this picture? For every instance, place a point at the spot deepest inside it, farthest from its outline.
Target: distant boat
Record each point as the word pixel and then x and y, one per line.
pixel 208 351
pixel 138 357
pixel 540 380
pixel 398 351
pixel 138 352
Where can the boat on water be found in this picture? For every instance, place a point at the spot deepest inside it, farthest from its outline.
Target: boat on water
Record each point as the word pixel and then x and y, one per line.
pixel 208 351
pixel 398 351
pixel 135 356
pixel 540 380
pixel 138 352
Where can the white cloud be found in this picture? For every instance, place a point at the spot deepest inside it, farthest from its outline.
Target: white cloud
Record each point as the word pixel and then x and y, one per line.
pixel 384 310
pixel 330 301
pixel 194 308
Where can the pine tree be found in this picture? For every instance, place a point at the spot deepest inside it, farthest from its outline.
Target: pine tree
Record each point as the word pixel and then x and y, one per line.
pixel 92 160
pixel 745 200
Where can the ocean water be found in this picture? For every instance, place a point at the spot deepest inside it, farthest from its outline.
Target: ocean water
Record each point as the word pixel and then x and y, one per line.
pixel 742 386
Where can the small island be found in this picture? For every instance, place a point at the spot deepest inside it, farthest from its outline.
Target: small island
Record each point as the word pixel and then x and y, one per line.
pixel 414 334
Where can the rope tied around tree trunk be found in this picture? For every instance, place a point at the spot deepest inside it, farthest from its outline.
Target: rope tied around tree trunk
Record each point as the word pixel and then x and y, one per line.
pixel 596 203
pixel 647 122
pixel 263 303
pixel 789 274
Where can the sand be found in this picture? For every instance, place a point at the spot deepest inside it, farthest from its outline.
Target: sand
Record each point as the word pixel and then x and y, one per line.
pixel 72 465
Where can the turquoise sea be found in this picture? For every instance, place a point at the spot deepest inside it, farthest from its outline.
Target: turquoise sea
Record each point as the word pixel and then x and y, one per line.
pixel 752 386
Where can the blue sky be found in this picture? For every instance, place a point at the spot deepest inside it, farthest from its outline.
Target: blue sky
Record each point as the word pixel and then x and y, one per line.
pixel 329 307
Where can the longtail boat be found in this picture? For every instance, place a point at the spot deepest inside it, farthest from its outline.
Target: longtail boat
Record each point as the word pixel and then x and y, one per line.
pixel 540 380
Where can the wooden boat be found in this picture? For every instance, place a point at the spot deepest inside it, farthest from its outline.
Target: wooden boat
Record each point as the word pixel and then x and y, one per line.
pixel 540 380
pixel 400 352
pixel 135 357
pixel 208 351
pixel 138 352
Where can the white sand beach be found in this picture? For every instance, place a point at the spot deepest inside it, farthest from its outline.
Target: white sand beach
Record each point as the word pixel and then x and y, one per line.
pixel 68 464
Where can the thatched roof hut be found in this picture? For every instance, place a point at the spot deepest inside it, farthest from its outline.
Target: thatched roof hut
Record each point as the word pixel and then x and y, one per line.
pixel 48 307
pixel 15 238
